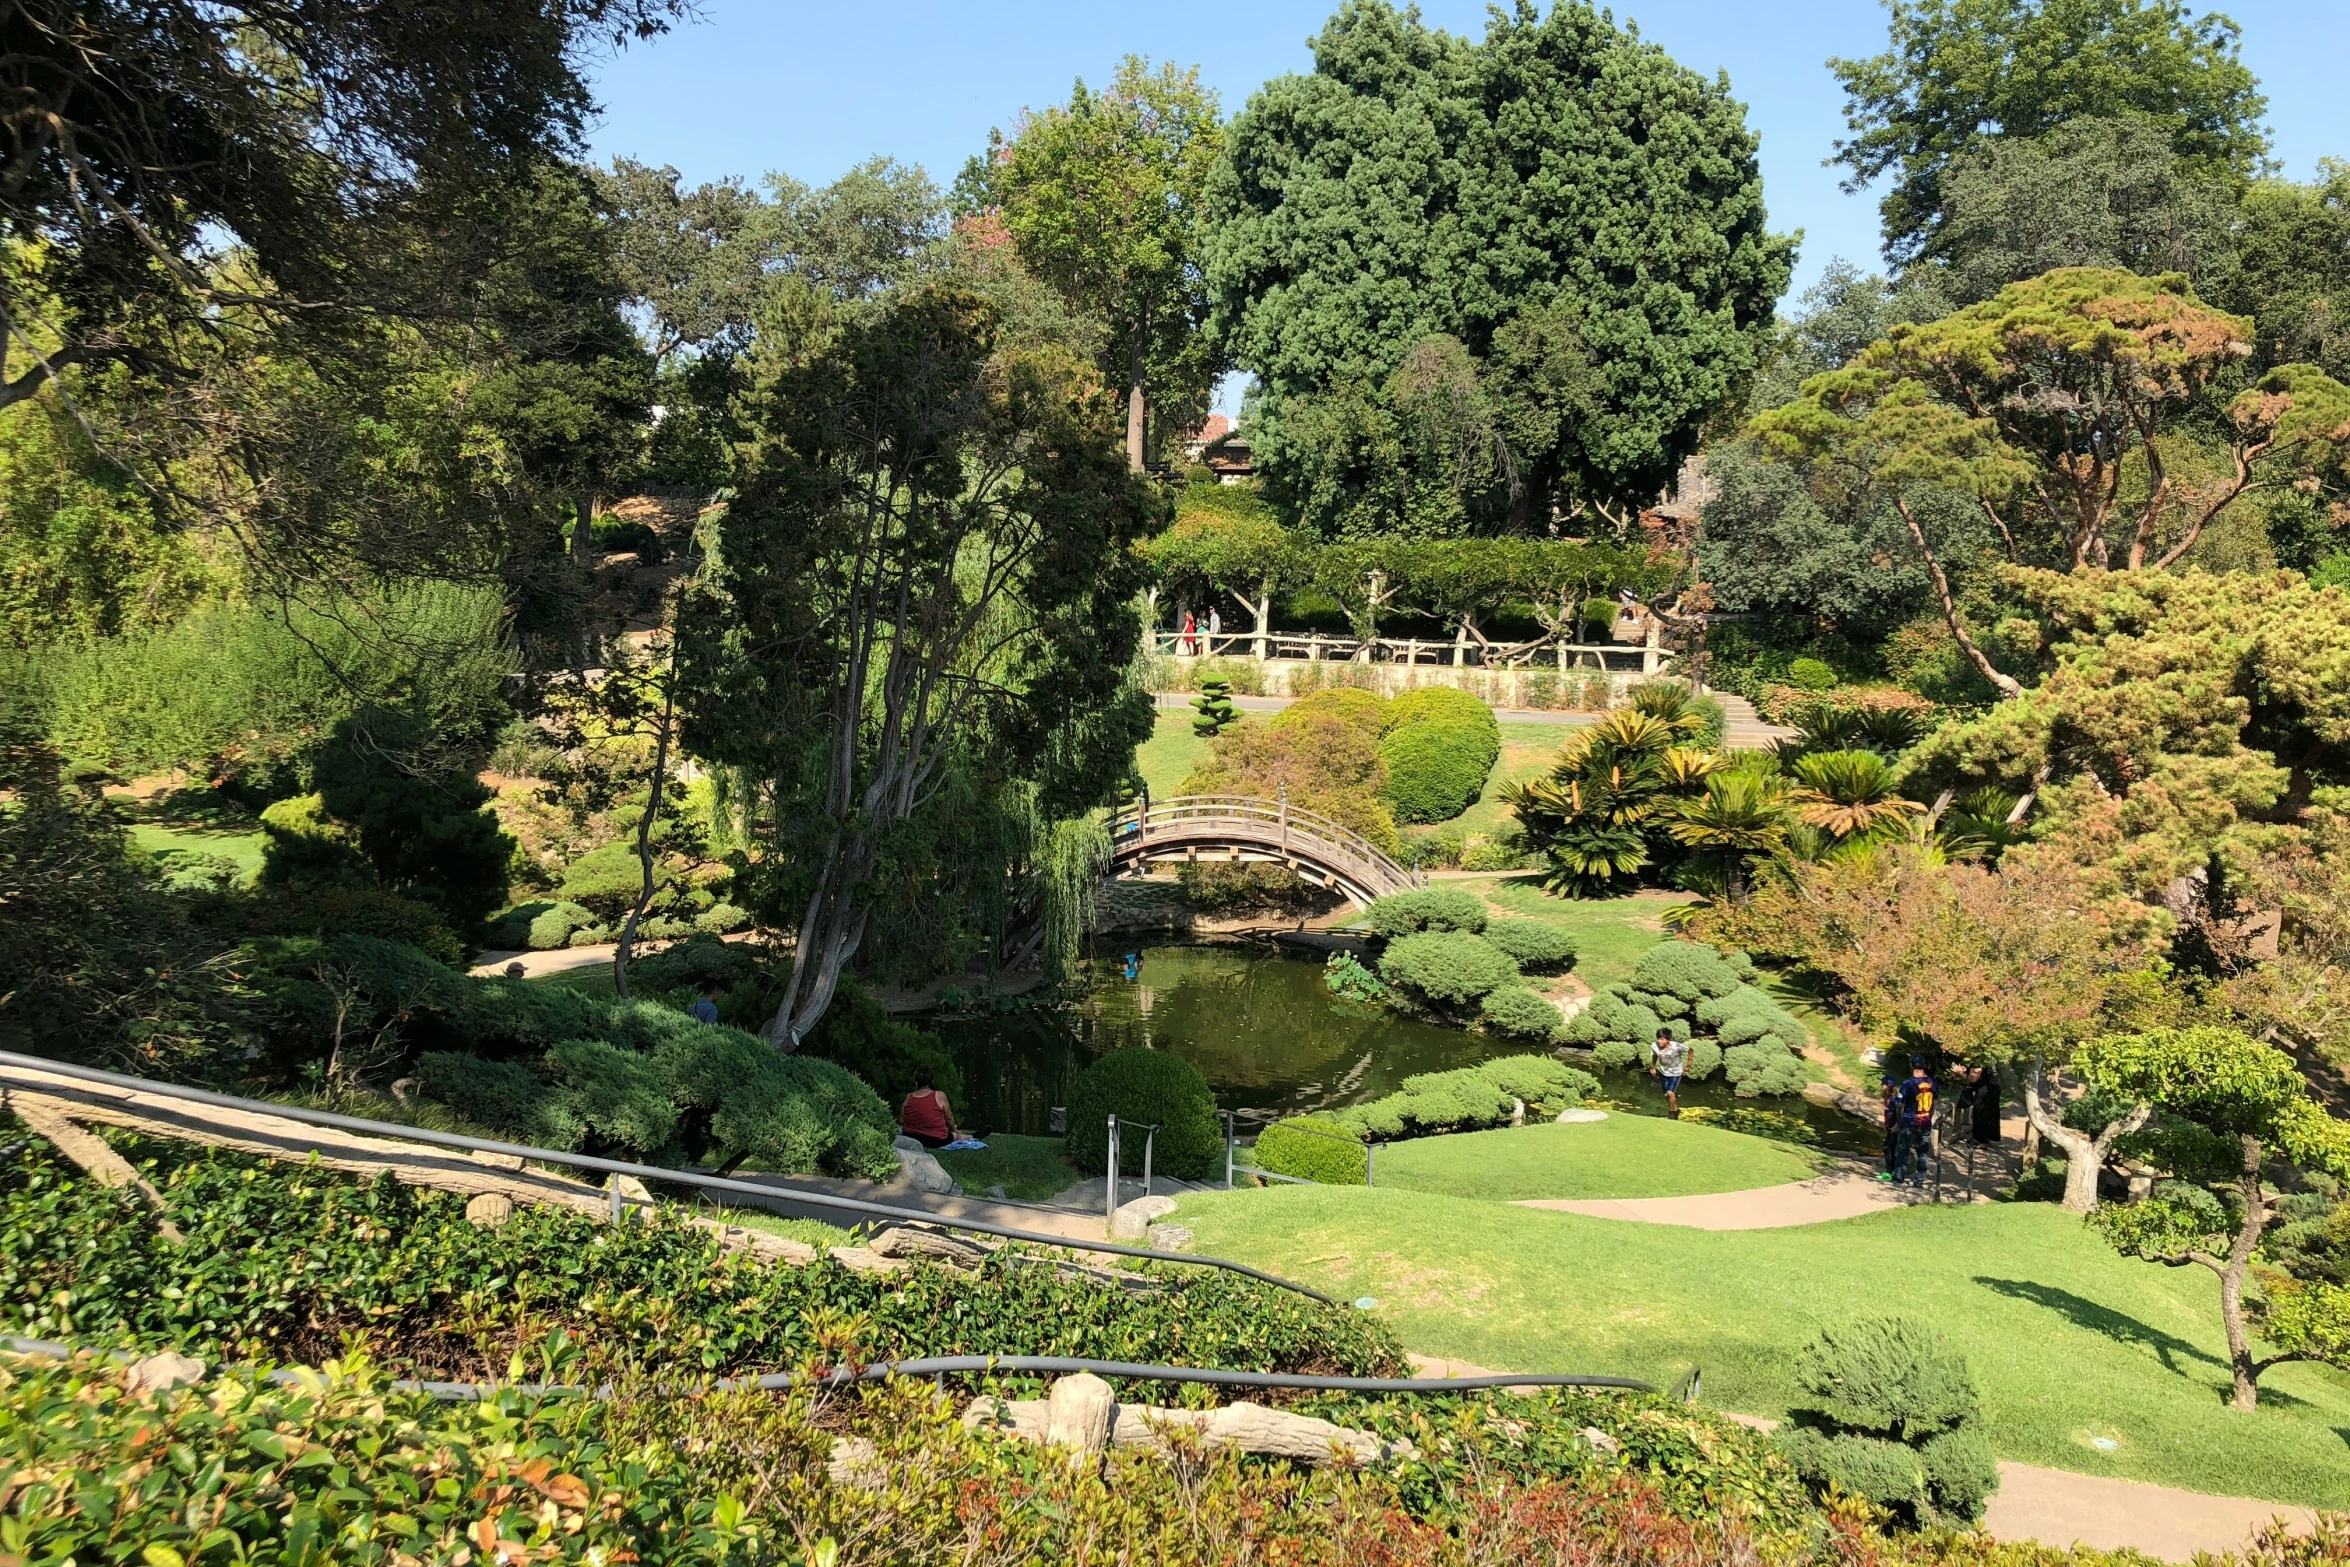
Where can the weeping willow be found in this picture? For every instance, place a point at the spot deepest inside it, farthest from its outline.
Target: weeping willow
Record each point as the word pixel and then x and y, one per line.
pixel 1068 868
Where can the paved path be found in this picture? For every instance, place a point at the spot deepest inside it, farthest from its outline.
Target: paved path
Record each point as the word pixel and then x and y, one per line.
pixel 1745 731
pixel 1821 1200
pixel 2063 1509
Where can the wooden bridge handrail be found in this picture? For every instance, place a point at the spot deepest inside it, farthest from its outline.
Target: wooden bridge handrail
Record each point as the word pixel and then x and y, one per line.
pixel 1301 831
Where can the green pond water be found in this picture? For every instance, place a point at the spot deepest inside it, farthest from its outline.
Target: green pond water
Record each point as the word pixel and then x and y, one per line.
pixel 1266 1033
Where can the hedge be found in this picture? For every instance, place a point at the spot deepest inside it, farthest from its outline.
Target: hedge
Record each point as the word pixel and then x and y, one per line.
pixel 1520 1013
pixel 1430 908
pixel 1315 1148
pixel 1144 1087
pixel 1694 991
pixel 1440 745
pixel 1470 1098
pixel 1537 947
pixel 1447 970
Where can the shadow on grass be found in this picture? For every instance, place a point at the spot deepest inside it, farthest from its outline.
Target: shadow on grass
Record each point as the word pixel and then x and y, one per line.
pixel 2169 1348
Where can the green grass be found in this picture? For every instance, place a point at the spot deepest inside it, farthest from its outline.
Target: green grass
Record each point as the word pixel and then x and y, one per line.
pixel 1622 1156
pixel 1169 755
pixel 1028 1168
pixel 813 1231
pixel 1526 749
pixel 1610 933
pixel 2068 1341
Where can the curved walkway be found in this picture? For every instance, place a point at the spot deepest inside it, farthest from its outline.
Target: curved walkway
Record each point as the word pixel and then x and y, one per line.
pixel 1821 1200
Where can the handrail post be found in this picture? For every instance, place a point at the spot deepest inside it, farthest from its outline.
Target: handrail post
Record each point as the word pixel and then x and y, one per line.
pixel 1150 1140
pixel 1110 1180
pixel 1285 820
pixel 1231 1136
pixel 1370 1162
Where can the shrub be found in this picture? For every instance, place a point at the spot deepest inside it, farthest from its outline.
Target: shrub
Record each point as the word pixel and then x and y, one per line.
pixel 1520 1013
pixel 1144 1087
pixel 1215 887
pixel 357 911
pixel 1324 754
pixel 695 963
pixel 540 925
pixel 857 1035
pixel 1499 852
pixel 1810 674
pixel 1446 969
pixel 1538 948
pixel 1896 1420
pixel 1687 969
pixel 721 919
pixel 1364 712
pixel 1471 1097
pixel 1440 745
pixel 1430 908
pixel 1314 1148
pixel 506 1097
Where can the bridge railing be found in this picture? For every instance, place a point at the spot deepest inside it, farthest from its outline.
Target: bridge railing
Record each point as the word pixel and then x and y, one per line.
pixel 1273 822
pixel 1314 647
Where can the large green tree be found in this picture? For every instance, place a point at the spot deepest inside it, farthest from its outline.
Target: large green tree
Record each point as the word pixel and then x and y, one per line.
pixel 1102 197
pixel 1529 267
pixel 1958 74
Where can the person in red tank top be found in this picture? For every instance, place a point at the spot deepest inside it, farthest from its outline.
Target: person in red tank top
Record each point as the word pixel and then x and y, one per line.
pixel 926 1116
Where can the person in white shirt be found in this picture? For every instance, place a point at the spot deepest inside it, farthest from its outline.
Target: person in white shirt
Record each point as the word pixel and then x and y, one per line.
pixel 1215 627
pixel 1669 1062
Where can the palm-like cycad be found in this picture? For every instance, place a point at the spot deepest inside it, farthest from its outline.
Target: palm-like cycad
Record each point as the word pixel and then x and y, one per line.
pixel 1849 795
pixel 1591 811
pixel 1742 813
pixel 1976 827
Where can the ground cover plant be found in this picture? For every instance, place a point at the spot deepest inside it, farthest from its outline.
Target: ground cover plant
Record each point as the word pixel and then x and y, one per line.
pixel 282 1263
pixel 2069 1342
pixel 1704 995
pixel 1622 1156
pixel 1323 1146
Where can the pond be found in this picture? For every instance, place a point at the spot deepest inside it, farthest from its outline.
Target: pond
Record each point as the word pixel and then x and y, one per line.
pixel 1267 1034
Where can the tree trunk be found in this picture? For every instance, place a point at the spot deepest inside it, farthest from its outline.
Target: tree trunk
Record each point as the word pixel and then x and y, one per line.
pixel 583 531
pixel 2246 1372
pixel 2007 685
pixel 2084 1156
pixel 644 839
pixel 1135 407
pixel 1263 610
pixel 1460 642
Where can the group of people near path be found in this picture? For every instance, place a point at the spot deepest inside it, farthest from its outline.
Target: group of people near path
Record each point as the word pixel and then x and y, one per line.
pixel 1189 637
pixel 1909 1100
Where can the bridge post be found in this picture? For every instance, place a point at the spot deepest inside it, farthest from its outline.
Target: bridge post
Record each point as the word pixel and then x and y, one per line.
pixel 1285 821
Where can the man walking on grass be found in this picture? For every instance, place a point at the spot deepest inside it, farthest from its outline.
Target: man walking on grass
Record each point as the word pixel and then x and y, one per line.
pixel 1670 1060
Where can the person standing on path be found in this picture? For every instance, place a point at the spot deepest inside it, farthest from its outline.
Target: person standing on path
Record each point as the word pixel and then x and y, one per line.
pixel 1917 1123
pixel 1215 626
pixel 1190 638
pixel 1982 1105
pixel 1670 1060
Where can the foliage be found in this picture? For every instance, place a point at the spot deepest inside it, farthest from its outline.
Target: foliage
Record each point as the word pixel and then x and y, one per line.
pixel 859 1037
pixel 1602 814
pixel 1102 198
pixel 1144 1088
pixel 1518 1012
pixel 1700 994
pixel 1322 749
pixel 385 811
pixel 1346 977
pixel 1449 971
pixel 1428 908
pixel 283 1262
pixel 1897 1421
pixel 1314 1148
pixel 1439 746
pixel 2293 269
pixel 539 925
pixel 1536 946
pixel 1544 318
pixel 241 694
pixel 1471 1097
pixel 1960 74
pixel 1850 795
pixel 1742 814
pixel 2223 1105
pixel 995 465
pixel 1213 712
pixel 1223 888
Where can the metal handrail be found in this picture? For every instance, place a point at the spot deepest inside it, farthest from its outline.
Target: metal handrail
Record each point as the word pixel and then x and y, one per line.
pixel 955 1365
pixel 643 1172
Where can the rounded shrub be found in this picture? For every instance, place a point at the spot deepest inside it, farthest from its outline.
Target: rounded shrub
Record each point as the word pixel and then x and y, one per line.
pixel 1449 970
pixel 1357 709
pixel 1429 908
pixel 1439 746
pixel 1811 674
pixel 1535 947
pixel 1618 1053
pixel 1314 1148
pixel 1518 1012
pixel 1688 969
pixel 721 919
pixel 1143 1087
pixel 1705 1059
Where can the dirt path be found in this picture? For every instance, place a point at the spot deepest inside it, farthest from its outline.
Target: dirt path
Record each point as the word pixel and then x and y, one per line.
pixel 2060 1509
pixel 1821 1200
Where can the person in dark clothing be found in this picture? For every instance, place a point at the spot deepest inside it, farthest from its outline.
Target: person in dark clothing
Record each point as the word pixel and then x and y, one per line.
pixel 1982 1106
pixel 1889 1104
pixel 926 1116
pixel 1916 1100
pixel 705 1010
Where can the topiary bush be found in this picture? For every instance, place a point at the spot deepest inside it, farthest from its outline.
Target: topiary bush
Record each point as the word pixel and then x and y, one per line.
pixel 1447 970
pixel 1440 745
pixel 1690 970
pixel 1141 1087
pixel 1430 908
pixel 1896 1419
pixel 1695 991
pixel 1472 1097
pixel 1536 947
pixel 1314 1148
pixel 1521 1014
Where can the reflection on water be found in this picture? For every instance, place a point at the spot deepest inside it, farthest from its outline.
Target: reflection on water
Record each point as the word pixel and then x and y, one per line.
pixel 1264 1031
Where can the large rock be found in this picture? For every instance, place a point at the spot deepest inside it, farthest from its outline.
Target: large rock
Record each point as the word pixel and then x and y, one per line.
pixel 1575 1115
pixel 161 1373
pixel 1131 1220
pixel 921 1168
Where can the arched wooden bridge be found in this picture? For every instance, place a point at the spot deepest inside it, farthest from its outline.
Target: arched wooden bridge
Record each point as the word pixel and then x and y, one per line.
pixel 1240 828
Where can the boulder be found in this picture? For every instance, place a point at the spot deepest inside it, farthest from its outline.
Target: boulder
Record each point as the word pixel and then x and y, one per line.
pixel 1131 1219
pixel 921 1168
pixel 489 1209
pixel 1170 1237
pixel 1577 1114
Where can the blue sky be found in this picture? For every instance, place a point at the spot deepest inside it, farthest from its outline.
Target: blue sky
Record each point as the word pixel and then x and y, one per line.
pixel 811 90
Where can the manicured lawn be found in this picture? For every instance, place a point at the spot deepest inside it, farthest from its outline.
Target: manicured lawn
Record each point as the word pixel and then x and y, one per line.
pixel 1169 755
pixel 1028 1168
pixel 1622 1156
pixel 1526 749
pixel 1610 933
pixel 2068 1341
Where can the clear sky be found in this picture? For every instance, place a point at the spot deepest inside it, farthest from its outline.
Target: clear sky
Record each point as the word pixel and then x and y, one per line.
pixel 810 90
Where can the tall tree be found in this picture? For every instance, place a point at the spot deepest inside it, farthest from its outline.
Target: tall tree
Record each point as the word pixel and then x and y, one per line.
pixel 692 260
pixel 1957 74
pixel 927 575
pixel 1609 304
pixel 1102 197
